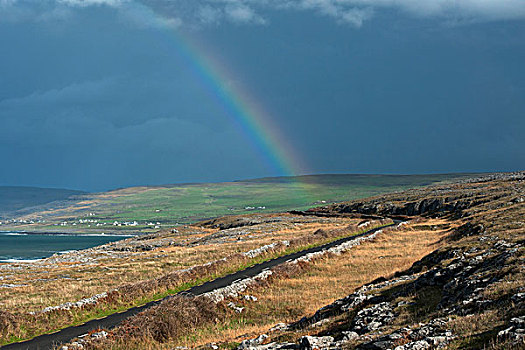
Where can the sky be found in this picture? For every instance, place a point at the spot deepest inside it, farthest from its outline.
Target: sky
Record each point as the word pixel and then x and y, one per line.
pixel 100 94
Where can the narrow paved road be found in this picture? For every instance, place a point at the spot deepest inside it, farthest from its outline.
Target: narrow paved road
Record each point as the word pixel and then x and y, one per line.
pixel 48 341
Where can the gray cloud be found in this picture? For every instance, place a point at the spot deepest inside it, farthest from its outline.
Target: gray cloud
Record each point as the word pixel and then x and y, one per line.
pixel 174 13
pixel 241 13
pixel 144 16
pixel 103 104
pixel 85 3
pixel 356 11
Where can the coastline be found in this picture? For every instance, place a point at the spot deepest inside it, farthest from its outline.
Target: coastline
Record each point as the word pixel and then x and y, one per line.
pixel 52 233
pixel 30 247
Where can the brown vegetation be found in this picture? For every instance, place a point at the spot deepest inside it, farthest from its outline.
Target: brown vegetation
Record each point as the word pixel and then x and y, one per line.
pixel 132 294
pixel 292 291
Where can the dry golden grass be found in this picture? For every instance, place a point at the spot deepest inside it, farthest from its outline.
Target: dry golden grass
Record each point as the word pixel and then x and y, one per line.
pixel 507 286
pixel 471 325
pixel 328 279
pixel 292 292
pixel 55 284
pixel 147 275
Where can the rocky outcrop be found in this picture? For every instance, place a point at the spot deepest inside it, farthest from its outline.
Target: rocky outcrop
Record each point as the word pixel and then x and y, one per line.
pixel 515 332
pixel 453 200
pixel 77 304
pixel 227 222
pixel 431 335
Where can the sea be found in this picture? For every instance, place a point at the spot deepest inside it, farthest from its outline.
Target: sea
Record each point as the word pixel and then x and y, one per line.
pixel 19 246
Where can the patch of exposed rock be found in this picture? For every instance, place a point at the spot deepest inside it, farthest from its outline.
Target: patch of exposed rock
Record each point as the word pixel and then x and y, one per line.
pixel 515 331
pixel 228 222
pixel 431 335
pixel 439 200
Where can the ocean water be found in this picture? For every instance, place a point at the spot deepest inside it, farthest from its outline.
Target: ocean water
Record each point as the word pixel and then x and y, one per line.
pixel 20 246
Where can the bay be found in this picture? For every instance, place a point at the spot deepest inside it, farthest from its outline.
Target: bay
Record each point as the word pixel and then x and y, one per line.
pixel 15 246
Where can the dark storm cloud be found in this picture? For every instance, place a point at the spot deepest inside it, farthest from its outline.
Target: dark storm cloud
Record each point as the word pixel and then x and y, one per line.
pixel 96 94
pixel 77 134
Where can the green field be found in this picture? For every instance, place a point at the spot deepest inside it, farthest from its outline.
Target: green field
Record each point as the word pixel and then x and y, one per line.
pixel 188 203
pixel 165 206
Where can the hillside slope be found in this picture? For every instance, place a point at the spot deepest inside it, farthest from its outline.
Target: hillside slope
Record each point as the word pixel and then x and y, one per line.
pixel 146 209
pixel 468 294
pixel 450 276
pixel 14 198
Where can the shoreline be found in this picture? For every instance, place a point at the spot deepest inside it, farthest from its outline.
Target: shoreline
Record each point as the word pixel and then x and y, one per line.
pixel 33 255
pixel 82 234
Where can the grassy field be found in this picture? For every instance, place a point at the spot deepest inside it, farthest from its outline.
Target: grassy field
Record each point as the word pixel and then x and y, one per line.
pixel 146 209
pixel 320 283
pixel 290 294
pixel 179 261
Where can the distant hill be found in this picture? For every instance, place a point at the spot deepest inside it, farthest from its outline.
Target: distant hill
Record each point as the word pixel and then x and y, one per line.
pixel 14 198
pixel 148 208
pixel 375 180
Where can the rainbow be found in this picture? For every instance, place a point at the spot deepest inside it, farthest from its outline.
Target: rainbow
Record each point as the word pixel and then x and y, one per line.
pixel 249 117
